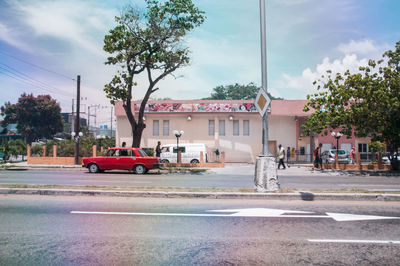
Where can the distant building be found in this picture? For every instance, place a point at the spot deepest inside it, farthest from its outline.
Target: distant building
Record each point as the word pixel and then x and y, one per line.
pixel 232 126
pixel 9 133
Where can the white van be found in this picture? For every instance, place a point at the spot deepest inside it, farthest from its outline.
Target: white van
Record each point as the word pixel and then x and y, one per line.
pixel 190 152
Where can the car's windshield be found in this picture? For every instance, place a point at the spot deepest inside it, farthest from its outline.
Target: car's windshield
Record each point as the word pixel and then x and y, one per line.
pixel 142 153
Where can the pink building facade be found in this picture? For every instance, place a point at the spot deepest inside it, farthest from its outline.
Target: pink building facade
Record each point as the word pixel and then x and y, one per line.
pixel 232 126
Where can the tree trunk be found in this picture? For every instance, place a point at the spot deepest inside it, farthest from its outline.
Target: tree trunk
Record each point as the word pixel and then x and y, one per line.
pixel 137 134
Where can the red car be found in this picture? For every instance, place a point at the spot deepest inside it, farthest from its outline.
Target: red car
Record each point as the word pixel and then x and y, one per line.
pixel 122 159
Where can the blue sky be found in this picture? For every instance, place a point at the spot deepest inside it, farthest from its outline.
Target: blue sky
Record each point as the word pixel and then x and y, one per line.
pixel 304 39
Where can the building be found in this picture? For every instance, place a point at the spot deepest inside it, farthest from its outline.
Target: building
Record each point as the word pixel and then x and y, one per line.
pixel 232 126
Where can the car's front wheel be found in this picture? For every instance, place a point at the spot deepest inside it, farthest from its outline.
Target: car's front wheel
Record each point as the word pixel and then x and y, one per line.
pixel 194 161
pixel 165 161
pixel 93 168
pixel 140 169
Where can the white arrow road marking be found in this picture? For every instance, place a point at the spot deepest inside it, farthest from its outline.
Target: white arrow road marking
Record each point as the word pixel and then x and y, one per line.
pixel 252 212
pixel 258 212
pixel 345 217
pixel 354 241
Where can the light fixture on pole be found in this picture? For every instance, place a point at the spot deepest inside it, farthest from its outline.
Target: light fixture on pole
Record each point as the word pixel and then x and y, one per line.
pixel 178 134
pixel 337 136
pixel 76 137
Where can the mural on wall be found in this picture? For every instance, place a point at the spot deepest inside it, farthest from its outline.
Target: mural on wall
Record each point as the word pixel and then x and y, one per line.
pixel 198 107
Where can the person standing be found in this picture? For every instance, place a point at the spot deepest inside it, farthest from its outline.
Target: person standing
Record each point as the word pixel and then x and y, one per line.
pixel 158 149
pixel 352 155
pixel 288 156
pixel 281 156
pixel 317 157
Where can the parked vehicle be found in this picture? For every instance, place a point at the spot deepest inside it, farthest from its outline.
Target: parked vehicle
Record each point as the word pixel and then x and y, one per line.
pixel 190 153
pixel 386 160
pixel 122 159
pixel 329 156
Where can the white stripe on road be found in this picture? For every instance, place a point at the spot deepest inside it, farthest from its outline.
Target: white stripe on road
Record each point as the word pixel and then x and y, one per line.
pixel 354 241
pixel 113 181
pixel 194 214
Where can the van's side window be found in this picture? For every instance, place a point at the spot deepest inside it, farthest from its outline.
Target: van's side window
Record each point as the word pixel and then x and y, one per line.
pixel 181 149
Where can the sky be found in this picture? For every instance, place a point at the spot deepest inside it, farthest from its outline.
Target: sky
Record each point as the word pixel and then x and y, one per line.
pixel 45 44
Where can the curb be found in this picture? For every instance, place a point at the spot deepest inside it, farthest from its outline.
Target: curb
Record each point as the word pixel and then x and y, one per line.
pixel 303 196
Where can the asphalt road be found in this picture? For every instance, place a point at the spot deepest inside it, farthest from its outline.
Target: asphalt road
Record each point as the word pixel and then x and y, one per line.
pixel 238 176
pixel 64 231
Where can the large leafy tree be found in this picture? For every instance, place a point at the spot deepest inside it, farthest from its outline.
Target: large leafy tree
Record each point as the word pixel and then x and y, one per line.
pixel 365 103
pixel 36 117
pixel 236 92
pixel 148 42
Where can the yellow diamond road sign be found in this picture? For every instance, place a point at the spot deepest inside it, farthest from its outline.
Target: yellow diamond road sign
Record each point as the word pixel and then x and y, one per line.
pixel 262 102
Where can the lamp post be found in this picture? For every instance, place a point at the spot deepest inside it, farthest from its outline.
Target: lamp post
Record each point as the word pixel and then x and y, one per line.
pixel 178 134
pixel 337 136
pixel 76 136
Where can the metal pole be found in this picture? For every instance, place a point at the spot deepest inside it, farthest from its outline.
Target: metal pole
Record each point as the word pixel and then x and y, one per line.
pixel 78 103
pixel 111 120
pixel 265 151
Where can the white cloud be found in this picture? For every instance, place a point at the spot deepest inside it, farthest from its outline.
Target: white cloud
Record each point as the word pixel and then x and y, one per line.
pixel 302 85
pixel 79 23
pixel 9 37
pixel 363 47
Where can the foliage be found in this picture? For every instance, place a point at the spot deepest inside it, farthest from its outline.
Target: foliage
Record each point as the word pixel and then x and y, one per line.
pixel 365 103
pixel 237 92
pixel 36 117
pixel 12 148
pixel 377 146
pixel 148 42
pixel 66 148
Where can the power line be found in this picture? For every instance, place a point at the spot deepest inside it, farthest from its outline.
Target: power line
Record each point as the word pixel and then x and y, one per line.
pixel 14 76
pixel 39 67
pixel 33 81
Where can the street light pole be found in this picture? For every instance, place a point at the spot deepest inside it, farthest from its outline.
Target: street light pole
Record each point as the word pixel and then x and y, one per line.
pixel 178 134
pixel 266 178
pixel 263 27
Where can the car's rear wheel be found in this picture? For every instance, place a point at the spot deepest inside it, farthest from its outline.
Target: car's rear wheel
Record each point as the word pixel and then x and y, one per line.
pixel 194 161
pixel 93 168
pixel 140 169
pixel 165 161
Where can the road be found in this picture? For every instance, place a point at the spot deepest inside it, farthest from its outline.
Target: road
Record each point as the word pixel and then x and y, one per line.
pixel 240 176
pixel 64 231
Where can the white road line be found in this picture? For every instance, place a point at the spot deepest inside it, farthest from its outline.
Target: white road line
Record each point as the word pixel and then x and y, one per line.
pixel 194 214
pixel 113 181
pixel 354 241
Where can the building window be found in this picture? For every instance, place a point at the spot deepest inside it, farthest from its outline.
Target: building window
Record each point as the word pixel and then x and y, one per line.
pixel 156 128
pixel 236 127
pixel 246 128
pixel 165 127
pixel 221 127
pixel 211 127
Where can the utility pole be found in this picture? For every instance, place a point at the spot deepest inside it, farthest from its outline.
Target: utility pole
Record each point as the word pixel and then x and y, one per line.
pixel 266 178
pixel 111 121
pixel 77 131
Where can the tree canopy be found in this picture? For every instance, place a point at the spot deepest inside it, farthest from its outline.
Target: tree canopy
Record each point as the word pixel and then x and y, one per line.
pixel 236 92
pixel 36 117
pixel 148 42
pixel 366 103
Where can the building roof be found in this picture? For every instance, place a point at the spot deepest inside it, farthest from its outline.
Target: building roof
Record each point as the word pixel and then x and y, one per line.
pixel 278 107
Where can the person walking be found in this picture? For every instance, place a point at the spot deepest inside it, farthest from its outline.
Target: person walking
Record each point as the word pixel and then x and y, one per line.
pixel 317 157
pixel 158 149
pixel 281 156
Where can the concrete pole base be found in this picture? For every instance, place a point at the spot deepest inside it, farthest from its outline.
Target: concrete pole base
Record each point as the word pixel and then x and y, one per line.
pixel 266 177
